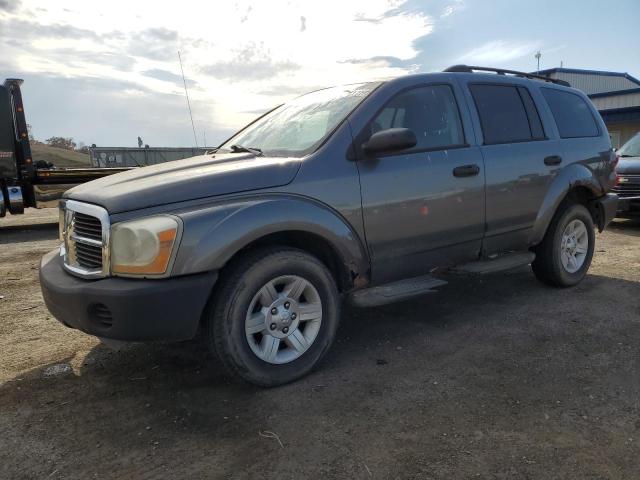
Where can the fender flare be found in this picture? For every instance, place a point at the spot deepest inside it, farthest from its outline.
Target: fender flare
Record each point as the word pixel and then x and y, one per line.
pixel 212 235
pixel 570 177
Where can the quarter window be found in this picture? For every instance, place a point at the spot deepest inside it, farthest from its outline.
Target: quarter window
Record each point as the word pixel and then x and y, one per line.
pixel 572 114
pixel 507 113
pixel 430 112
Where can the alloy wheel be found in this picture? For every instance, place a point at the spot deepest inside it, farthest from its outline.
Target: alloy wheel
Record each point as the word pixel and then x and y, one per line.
pixel 574 246
pixel 283 319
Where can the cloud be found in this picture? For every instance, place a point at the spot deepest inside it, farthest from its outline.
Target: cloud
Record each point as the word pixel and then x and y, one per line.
pixel 154 44
pixel 32 30
pixel 242 56
pixel 82 58
pixel 289 90
pixel 251 63
pixel 111 112
pixel 9 5
pixel 498 52
pixel 453 8
pixel 167 76
pixel 387 61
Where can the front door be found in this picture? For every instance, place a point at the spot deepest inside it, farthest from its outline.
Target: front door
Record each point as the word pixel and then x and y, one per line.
pixel 423 207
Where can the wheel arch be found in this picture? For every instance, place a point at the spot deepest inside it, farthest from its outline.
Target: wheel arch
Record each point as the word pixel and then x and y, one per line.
pixel 575 182
pixel 214 237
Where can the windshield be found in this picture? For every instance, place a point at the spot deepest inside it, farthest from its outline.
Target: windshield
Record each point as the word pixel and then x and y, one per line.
pixel 631 148
pixel 298 127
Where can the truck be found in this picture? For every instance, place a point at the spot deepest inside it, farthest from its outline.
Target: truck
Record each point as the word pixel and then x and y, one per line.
pixel 368 193
pixel 25 182
pixel 627 185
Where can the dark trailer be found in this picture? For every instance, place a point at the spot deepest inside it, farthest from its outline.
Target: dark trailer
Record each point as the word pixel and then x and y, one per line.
pixel 22 183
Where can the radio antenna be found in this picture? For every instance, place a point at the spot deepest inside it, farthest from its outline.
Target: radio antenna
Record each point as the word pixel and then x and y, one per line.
pixel 186 92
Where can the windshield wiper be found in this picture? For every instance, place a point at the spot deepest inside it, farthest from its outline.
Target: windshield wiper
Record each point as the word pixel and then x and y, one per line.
pixel 624 155
pixel 239 148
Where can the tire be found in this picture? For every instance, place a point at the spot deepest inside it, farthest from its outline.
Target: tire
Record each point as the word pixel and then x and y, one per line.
pixel 553 265
pixel 258 292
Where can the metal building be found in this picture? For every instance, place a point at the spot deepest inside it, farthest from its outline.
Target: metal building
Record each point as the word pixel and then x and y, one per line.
pixel 616 95
pixel 139 157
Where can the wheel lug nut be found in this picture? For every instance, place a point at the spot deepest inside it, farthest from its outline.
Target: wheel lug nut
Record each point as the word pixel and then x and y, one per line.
pixel 272 326
pixel 274 310
pixel 287 305
pixel 285 330
pixel 293 316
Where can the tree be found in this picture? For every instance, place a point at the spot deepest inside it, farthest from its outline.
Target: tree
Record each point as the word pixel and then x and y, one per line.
pixel 82 148
pixel 62 142
pixel 30 132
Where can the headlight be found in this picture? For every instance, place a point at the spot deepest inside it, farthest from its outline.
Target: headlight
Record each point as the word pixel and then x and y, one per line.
pixel 144 247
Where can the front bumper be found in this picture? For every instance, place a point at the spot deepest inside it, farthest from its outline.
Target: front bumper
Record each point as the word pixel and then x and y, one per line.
pixel 126 309
pixel 628 207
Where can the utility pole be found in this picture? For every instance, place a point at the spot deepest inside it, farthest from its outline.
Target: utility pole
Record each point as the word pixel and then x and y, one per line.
pixel 538 55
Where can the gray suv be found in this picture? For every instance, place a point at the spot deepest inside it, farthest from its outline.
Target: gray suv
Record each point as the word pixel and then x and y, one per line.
pixel 365 192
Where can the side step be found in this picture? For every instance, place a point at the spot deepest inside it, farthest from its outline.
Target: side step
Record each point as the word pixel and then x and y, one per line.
pixel 396 291
pixel 503 262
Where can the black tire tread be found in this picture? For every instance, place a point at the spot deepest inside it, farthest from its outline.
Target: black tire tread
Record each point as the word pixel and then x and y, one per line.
pixel 225 296
pixel 545 266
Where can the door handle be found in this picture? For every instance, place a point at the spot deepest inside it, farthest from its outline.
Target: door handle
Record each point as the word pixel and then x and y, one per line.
pixel 553 160
pixel 466 171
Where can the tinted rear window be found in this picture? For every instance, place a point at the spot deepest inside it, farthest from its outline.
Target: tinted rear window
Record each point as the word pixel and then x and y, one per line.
pixel 503 114
pixel 532 112
pixel 572 114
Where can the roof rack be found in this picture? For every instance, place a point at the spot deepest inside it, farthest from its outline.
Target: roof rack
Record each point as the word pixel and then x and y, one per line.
pixel 502 71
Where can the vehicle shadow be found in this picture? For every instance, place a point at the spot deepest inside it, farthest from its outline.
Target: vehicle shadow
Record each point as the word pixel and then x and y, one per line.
pixel 628 226
pixel 478 341
pixel 28 233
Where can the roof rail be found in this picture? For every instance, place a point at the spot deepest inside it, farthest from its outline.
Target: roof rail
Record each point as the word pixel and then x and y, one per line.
pixel 502 71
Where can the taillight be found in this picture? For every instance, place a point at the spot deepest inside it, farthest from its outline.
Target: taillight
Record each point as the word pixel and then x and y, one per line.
pixel 617 180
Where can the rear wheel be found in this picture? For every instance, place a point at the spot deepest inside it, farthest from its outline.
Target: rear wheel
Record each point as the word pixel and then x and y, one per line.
pixel 564 255
pixel 274 316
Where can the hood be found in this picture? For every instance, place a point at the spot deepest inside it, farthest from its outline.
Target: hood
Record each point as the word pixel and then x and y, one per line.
pixel 629 165
pixel 189 179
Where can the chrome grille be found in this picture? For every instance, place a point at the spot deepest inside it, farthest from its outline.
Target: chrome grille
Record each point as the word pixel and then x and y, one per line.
pixel 85 232
pixel 87 226
pixel 628 186
pixel 89 256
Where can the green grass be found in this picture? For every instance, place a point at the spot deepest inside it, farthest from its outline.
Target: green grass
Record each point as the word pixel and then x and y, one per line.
pixel 59 156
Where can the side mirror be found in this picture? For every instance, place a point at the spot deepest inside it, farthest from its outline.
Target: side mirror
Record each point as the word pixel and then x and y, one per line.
pixel 390 140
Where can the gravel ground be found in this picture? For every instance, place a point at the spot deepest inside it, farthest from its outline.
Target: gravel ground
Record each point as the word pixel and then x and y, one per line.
pixel 494 377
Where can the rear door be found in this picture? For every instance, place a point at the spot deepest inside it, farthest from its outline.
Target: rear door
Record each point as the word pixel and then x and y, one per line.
pixel 418 212
pixel 520 161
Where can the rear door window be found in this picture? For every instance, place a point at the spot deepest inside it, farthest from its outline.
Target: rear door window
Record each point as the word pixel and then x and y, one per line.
pixel 571 113
pixel 532 113
pixel 507 113
pixel 431 112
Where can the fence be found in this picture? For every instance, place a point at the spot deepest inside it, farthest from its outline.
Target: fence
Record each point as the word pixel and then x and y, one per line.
pixel 139 157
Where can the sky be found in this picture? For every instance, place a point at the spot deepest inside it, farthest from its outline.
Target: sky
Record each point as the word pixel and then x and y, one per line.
pixel 106 72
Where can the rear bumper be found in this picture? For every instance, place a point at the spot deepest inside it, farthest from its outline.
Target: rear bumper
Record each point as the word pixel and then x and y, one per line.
pixel 126 309
pixel 606 206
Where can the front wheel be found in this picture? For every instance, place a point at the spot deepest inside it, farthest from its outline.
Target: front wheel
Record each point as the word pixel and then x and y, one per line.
pixel 564 255
pixel 274 316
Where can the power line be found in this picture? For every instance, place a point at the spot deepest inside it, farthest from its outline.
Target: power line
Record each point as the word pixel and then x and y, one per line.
pixel 186 92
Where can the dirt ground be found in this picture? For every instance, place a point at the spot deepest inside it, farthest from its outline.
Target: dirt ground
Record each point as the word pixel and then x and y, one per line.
pixel 496 377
